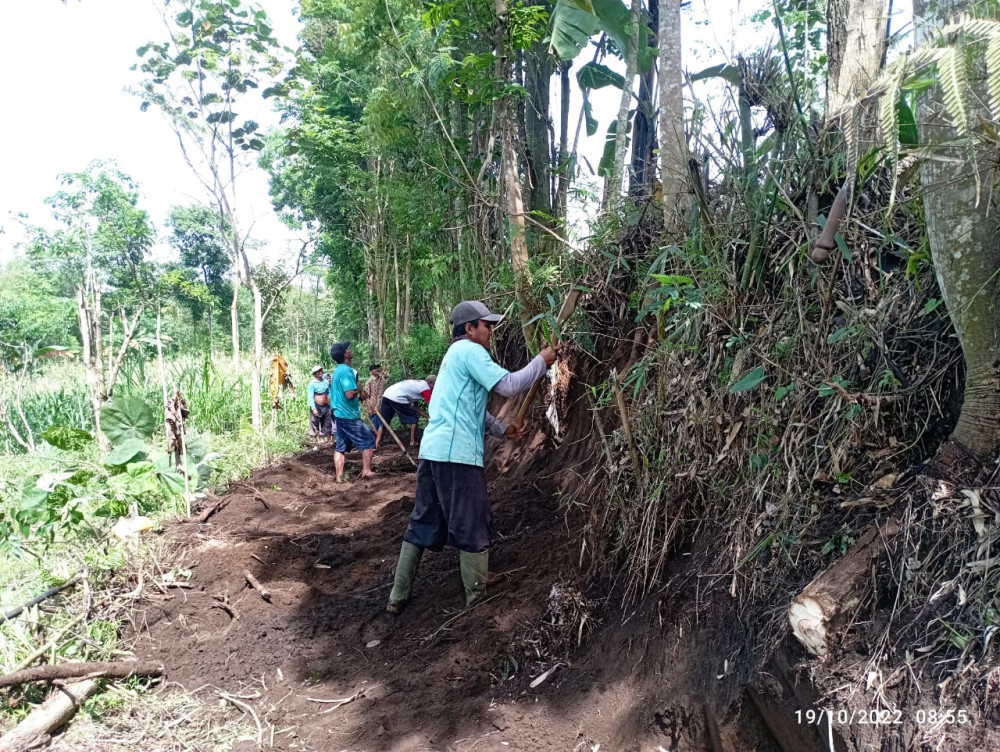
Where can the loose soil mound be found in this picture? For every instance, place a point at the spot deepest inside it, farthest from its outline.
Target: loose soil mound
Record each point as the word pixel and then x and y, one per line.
pixel 433 678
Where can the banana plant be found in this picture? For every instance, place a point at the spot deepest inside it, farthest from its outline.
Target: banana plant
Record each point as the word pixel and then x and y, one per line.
pixel 574 22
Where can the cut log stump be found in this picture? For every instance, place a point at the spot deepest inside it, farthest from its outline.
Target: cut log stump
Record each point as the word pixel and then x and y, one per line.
pixel 821 613
pixel 35 730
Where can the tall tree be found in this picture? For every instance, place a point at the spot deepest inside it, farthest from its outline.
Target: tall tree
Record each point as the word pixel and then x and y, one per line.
pixel 203 246
pixel 213 62
pixel 106 237
pixel 963 225
pixel 856 45
pixel 673 139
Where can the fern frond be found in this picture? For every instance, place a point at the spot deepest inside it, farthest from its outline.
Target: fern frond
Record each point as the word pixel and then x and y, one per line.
pixel 973 29
pixel 954 85
pixel 850 137
pixel 888 114
pixel 993 73
pixel 904 66
pixel 933 152
pixel 922 58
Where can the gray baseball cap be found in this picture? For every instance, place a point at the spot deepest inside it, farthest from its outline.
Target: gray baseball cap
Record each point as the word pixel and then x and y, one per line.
pixel 473 310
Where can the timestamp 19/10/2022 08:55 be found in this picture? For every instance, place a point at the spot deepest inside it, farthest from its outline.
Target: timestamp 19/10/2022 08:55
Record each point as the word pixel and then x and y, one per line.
pixel 873 717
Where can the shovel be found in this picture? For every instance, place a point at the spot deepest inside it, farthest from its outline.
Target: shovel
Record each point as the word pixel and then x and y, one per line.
pixel 394 436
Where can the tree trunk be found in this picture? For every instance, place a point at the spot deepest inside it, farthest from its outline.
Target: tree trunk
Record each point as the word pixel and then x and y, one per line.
pixel 613 188
pixel 856 44
pixel 515 215
pixel 538 69
pixel 644 123
pixel 89 313
pixel 407 309
pixel 673 142
pixel 234 319
pixel 256 406
pixel 962 229
pixel 563 163
pixel 159 354
pixel 399 299
pixel 830 603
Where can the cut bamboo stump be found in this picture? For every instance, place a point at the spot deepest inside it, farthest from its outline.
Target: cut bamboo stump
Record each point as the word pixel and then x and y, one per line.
pixel 36 730
pixel 821 613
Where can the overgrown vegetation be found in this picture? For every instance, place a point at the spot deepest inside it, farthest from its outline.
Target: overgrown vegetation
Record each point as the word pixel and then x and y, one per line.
pixel 756 398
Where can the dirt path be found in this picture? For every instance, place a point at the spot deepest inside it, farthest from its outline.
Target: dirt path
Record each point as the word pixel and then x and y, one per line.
pixel 420 681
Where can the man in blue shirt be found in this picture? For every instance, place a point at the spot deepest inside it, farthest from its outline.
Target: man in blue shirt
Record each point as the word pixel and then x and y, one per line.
pixel 346 399
pixel 451 505
pixel 320 420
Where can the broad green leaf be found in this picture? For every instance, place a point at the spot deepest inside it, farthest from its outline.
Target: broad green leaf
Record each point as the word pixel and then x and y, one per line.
pixel 48 481
pixel 588 113
pixel 32 496
pixel 607 163
pixel 127 418
pixel 128 451
pixel 574 22
pixel 907 125
pixel 931 306
pixel 596 76
pixel 844 249
pixel 750 380
pixel 783 391
pixel 138 479
pixel 728 73
pixel 842 333
pixel 171 481
pixel 66 438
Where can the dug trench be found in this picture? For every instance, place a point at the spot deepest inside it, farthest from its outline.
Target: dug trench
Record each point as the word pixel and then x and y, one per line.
pixel 323 667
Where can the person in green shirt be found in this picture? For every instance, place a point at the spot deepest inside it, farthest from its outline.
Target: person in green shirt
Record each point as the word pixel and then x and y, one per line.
pixel 451 506
pixel 345 400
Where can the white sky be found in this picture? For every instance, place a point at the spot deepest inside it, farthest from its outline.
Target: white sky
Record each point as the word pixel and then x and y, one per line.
pixel 65 68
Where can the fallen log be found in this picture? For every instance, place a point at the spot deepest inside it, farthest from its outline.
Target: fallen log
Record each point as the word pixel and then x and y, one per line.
pixel 35 730
pixel 825 608
pixel 93 670
pixel 264 593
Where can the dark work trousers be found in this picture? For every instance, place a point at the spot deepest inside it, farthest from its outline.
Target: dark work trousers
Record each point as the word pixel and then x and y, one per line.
pixel 322 423
pixel 451 508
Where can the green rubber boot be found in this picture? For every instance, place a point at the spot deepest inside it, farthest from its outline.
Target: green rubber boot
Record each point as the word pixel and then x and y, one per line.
pixel 475 568
pixel 406 571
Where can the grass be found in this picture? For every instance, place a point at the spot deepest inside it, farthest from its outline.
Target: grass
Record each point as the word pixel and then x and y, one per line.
pixel 84 623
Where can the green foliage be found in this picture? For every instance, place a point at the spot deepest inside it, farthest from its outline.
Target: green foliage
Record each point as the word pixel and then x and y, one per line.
pixel 217 54
pixel 574 22
pixel 67 438
pixel 99 221
pixel 32 313
pixel 424 350
pixel 750 380
pixel 127 418
pixel 129 450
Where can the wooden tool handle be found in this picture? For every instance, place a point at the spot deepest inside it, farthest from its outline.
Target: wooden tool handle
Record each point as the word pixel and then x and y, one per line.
pixel 523 412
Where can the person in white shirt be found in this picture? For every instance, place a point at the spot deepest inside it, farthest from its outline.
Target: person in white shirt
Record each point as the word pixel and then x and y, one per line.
pixel 400 400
